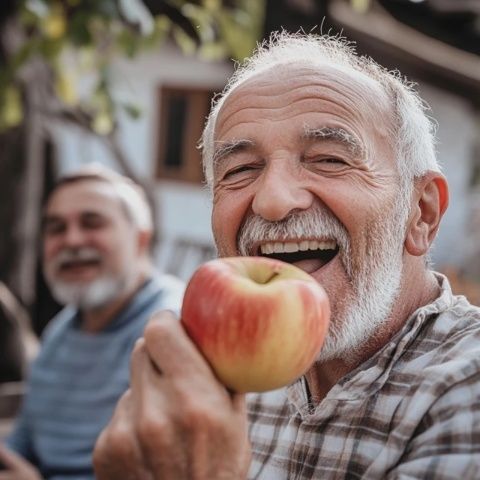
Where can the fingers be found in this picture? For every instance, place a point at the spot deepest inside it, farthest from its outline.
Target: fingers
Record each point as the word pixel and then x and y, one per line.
pixel 9 458
pixel 174 357
pixel 177 421
pixel 117 453
pixel 12 460
pixel 171 350
pixel 17 468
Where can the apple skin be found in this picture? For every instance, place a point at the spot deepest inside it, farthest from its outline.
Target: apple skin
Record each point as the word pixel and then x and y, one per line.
pixel 259 322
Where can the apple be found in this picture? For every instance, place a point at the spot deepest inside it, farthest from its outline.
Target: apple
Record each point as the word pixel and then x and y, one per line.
pixel 259 322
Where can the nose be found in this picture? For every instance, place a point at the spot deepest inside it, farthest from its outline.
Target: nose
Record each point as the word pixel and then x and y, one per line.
pixel 73 237
pixel 281 191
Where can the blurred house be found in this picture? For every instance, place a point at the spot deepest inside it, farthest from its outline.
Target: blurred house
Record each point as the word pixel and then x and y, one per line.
pixel 174 93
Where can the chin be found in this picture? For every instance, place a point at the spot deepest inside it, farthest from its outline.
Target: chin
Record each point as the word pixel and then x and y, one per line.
pixel 87 296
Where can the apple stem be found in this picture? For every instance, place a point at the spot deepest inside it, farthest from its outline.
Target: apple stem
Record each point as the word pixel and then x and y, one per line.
pixel 274 274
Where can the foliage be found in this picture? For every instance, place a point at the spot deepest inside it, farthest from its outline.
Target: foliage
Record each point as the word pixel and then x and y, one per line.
pixel 80 38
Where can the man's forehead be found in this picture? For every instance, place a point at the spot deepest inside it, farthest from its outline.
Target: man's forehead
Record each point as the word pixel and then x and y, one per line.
pixel 83 195
pixel 301 75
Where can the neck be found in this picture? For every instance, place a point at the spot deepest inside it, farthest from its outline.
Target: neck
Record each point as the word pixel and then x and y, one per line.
pixel 95 320
pixel 413 295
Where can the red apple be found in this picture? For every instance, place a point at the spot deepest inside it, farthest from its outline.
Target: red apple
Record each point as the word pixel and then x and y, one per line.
pixel 259 322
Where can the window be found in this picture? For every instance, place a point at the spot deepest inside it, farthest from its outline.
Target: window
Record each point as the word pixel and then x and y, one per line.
pixel 182 116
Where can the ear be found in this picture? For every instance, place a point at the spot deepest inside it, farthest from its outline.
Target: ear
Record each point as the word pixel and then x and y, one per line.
pixel 431 201
pixel 144 241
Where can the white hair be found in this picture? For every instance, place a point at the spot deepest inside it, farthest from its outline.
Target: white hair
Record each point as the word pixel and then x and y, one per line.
pixel 413 137
pixel 132 197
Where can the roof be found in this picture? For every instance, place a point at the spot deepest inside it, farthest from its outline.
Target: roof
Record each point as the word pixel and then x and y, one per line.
pixel 395 44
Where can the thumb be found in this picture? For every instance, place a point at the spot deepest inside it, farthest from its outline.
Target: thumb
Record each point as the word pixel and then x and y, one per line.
pixel 9 458
pixel 16 466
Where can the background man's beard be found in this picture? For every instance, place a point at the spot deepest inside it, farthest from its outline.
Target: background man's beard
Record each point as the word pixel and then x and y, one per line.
pixel 88 296
pixel 375 280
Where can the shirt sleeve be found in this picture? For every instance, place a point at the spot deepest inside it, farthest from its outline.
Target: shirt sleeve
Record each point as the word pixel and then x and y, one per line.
pixel 446 444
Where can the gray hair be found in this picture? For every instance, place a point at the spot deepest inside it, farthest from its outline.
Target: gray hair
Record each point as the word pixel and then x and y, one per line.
pixel 132 197
pixel 413 137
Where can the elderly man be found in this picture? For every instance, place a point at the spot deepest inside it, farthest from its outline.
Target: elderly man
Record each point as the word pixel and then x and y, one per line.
pixel 328 158
pixel 96 257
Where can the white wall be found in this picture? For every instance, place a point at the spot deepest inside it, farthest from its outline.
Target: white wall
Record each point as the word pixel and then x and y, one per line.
pixel 456 134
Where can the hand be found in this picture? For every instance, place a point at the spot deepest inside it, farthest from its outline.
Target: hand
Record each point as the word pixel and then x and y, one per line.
pixel 176 421
pixel 16 467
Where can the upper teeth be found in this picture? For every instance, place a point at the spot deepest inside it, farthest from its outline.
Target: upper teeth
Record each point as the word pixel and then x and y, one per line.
pixel 289 247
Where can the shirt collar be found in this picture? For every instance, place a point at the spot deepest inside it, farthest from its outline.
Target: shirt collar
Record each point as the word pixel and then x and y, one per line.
pixel 372 374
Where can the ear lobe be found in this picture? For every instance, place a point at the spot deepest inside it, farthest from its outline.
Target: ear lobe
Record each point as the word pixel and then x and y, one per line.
pixel 431 201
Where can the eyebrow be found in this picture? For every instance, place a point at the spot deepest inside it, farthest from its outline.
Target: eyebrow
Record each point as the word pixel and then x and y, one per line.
pixel 229 147
pixel 339 135
pixel 50 218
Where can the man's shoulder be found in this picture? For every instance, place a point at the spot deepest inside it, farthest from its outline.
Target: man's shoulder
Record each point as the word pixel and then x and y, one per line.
pixel 457 327
pixel 169 290
pixel 170 283
pixel 448 327
pixel 59 324
pixel 446 350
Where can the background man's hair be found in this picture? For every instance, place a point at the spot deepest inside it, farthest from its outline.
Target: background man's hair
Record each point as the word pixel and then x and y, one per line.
pixel 131 195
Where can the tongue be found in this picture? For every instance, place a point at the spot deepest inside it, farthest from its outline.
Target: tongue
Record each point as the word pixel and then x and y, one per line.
pixel 309 265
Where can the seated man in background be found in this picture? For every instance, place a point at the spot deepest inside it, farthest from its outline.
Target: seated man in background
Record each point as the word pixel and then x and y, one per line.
pixel 323 159
pixel 97 230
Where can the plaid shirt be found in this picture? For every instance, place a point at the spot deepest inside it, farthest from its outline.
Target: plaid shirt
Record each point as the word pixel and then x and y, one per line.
pixel 412 411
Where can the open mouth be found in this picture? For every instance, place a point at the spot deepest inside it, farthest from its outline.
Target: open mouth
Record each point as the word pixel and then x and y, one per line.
pixel 70 265
pixel 309 255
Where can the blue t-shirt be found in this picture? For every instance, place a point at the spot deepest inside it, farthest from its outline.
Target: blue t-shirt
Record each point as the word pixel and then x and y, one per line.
pixel 77 380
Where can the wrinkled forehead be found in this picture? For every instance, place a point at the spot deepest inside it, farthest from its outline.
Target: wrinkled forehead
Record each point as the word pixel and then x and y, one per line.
pixel 366 93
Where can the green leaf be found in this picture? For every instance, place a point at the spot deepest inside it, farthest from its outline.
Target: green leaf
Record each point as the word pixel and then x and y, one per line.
pixel 128 42
pixel 102 123
pixel 186 44
pixel 50 48
pixel 133 111
pixel 11 113
pixel 79 31
pixel 213 51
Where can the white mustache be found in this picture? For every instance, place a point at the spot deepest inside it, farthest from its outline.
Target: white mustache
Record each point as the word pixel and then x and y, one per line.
pixel 69 255
pixel 314 223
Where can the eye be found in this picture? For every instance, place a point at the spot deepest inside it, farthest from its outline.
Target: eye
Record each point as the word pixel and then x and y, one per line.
pixel 92 221
pixel 53 227
pixel 238 170
pixel 325 162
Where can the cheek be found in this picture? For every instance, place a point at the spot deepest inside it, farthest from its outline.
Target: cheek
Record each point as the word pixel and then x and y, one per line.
pixel 50 249
pixel 229 211
pixel 124 246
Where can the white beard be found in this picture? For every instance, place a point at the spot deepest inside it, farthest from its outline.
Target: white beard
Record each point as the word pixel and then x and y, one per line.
pixel 91 295
pixel 375 280
pixel 375 289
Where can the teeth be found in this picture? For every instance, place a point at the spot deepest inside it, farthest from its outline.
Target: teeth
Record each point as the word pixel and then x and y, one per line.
pixel 278 247
pixel 290 247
